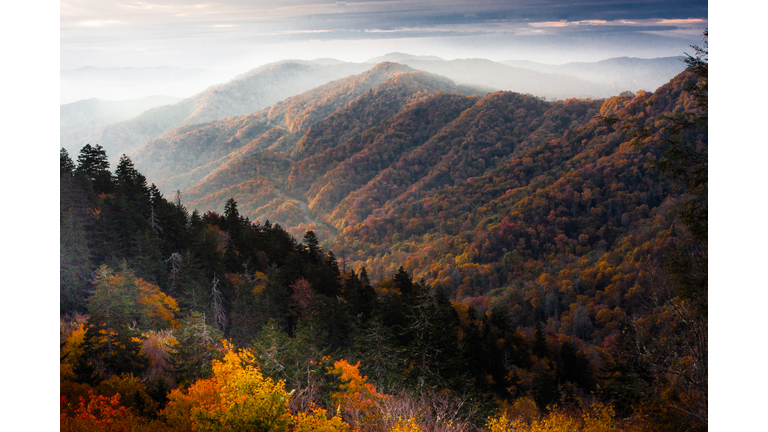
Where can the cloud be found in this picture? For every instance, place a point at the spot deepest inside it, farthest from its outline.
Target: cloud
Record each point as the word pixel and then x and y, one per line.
pixel 293 32
pixel 289 32
pixel 549 24
pixel 591 22
pixel 438 29
pixel 681 21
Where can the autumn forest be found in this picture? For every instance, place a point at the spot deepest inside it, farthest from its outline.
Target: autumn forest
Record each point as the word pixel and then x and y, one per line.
pixel 391 251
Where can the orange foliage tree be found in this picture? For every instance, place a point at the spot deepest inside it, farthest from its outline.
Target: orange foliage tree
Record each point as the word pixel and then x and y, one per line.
pixel 357 398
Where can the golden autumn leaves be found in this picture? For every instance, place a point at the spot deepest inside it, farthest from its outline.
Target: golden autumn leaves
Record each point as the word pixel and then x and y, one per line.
pixel 239 398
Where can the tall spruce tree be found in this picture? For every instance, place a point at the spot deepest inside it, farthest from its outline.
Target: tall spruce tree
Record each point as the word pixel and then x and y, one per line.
pixel 93 167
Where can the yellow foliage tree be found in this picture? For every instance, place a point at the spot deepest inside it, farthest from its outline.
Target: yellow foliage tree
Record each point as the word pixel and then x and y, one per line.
pixel 70 352
pixel 237 398
pixel 406 425
pixel 317 421
pixel 156 308
pixel 598 418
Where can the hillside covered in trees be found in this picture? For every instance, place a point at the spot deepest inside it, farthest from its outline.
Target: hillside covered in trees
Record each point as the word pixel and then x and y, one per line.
pixel 467 261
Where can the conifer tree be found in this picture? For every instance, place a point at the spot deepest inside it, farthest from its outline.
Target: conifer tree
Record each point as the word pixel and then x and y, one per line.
pixel 403 282
pixel 198 345
pixel 93 166
pixel 313 246
pixel 539 345
pixel 66 166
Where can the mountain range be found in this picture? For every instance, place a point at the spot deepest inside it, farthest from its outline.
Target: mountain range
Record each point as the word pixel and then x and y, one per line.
pixel 398 166
pixel 268 84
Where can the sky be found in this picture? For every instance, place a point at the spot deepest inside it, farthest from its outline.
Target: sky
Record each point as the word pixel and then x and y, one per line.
pixel 240 35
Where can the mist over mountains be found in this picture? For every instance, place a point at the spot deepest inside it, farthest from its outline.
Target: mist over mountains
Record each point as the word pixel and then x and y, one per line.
pixel 621 73
pixel 247 93
pixel 135 83
pixel 268 84
pixel 79 121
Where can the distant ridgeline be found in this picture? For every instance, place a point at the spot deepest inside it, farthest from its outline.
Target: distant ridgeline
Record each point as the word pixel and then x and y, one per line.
pixel 550 241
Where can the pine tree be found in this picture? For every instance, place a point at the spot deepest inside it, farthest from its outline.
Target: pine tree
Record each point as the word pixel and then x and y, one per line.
pixel 129 182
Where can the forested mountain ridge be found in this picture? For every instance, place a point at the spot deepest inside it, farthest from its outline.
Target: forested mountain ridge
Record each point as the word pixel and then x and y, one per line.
pixel 194 146
pixel 354 172
pixel 225 155
pixel 589 160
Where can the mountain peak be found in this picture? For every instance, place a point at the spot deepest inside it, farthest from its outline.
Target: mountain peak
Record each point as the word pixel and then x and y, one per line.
pixel 388 66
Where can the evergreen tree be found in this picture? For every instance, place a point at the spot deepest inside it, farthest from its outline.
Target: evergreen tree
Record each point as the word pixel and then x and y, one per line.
pixel 313 246
pixel 93 166
pixel 575 366
pixel 433 330
pixel 66 166
pixel 231 215
pixel 403 282
pixel 74 264
pixel 545 389
pixel 365 296
pixel 109 351
pixel 539 345
pixel 130 182
pixel 75 218
pixel 198 345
